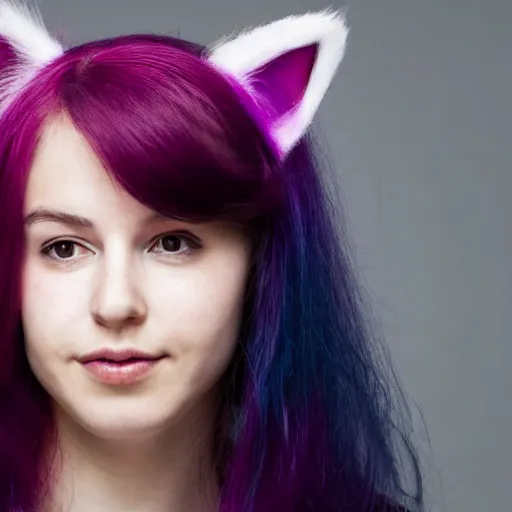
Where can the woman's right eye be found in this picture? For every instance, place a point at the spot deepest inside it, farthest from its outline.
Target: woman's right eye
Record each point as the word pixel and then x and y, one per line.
pixel 64 250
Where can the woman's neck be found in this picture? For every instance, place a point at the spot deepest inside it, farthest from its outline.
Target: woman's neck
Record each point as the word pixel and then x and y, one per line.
pixel 171 471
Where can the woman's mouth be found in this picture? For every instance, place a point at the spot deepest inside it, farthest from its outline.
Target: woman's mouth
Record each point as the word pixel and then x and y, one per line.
pixel 119 368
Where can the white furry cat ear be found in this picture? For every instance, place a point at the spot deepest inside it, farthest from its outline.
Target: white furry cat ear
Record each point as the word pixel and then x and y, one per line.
pixel 287 67
pixel 25 46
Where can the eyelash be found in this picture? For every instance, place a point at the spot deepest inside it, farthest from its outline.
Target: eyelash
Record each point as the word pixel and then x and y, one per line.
pixel 193 245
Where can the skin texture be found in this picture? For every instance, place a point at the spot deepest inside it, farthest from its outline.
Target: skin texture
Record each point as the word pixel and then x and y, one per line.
pixel 119 284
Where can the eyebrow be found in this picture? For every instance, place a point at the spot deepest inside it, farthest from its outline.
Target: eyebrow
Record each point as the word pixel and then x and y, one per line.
pixel 75 221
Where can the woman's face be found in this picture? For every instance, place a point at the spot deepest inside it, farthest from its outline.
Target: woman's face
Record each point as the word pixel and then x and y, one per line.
pixel 104 273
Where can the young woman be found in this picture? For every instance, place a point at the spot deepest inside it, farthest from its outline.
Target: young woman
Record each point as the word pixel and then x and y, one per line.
pixel 231 370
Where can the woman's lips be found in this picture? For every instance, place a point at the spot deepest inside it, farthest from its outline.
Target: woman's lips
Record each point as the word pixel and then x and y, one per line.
pixel 118 373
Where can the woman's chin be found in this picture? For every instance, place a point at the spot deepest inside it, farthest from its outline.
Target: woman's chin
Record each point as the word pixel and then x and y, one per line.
pixel 132 430
pixel 117 423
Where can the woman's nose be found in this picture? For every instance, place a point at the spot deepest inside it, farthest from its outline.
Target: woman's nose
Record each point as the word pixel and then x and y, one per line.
pixel 117 301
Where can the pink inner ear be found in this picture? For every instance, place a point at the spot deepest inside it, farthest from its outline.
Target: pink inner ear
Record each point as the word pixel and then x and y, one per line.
pixel 7 53
pixel 282 82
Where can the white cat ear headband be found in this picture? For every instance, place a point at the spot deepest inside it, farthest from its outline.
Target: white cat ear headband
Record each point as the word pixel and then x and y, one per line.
pixel 286 66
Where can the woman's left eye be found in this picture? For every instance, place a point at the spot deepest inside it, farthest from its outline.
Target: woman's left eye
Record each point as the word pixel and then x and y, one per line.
pixel 176 245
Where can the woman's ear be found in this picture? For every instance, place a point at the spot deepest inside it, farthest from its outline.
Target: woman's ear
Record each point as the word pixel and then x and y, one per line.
pixel 287 67
pixel 25 46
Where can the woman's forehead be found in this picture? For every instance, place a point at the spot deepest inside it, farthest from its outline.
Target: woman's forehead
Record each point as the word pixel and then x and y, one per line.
pixel 66 171
pixel 67 180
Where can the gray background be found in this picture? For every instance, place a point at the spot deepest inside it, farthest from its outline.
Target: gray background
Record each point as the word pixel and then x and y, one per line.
pixel 419 124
